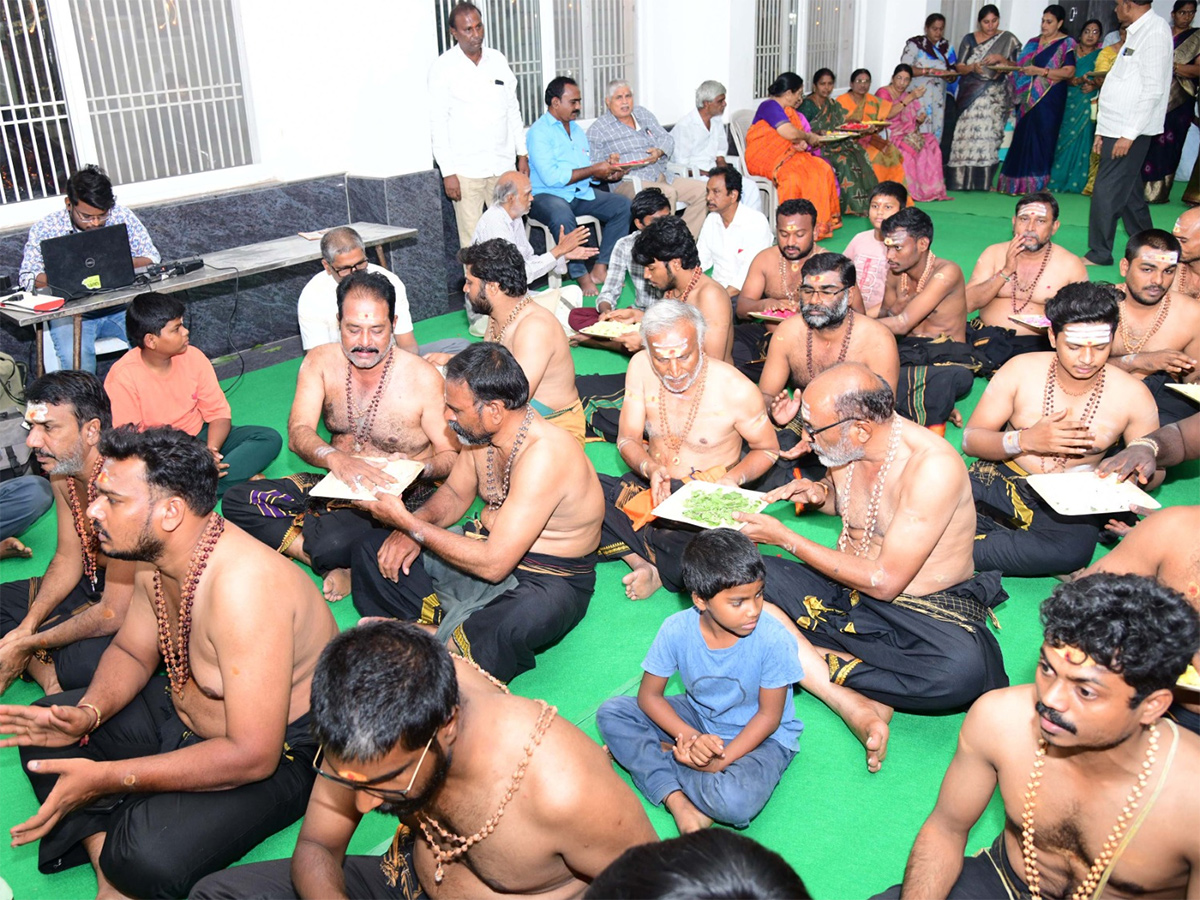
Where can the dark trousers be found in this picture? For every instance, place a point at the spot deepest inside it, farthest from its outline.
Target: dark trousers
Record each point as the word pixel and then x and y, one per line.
pixel 925 654
pixel 1119 194
pixel 159 845
pixel 276 510
pixel 248 449
pixel 1019 534
pixel 661 543
pixel 611 209
pixel 273 881
pixel 74 663
pixel 551 598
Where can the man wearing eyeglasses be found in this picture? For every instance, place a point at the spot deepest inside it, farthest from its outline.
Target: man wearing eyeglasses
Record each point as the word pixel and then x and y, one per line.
pixel 342 254
pixel 894 610
pixel 90 204
pixel 925 306
pixel 828 330
pixel 412 732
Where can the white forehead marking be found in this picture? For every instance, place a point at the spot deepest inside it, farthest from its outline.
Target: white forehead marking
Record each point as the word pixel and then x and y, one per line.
pixel 37 412
pixel 1170 257
pixel 1035 209
pixel 1081 333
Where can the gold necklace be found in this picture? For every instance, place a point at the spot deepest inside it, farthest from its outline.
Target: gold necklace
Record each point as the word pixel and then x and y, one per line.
pixel 498 336
pixel 1086 887
pixel 459 845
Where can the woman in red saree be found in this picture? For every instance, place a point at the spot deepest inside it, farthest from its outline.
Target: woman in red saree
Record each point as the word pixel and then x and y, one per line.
pixel 777 147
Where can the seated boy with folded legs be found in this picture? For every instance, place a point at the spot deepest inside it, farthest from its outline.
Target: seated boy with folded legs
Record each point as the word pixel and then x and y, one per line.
pixel 715 752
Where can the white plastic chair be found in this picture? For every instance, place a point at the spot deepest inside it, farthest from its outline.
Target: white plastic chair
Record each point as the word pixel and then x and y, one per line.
pixel 554 279
pixel 739 124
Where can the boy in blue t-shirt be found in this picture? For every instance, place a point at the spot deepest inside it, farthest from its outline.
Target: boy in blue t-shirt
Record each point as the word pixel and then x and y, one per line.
pixel 717 751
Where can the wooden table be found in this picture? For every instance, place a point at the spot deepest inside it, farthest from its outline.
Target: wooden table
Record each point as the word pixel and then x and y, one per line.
pixel 222 265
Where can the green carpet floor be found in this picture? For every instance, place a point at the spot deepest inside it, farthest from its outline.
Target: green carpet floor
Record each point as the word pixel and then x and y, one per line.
pixel 847 832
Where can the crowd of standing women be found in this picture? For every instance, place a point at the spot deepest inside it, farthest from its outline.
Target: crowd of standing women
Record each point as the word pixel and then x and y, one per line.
pixel 940 123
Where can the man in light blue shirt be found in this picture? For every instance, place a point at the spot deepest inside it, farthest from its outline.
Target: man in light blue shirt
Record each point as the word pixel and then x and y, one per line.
pixel 561 171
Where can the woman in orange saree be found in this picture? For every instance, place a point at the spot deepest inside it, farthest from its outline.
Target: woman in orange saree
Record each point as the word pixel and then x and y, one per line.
pixel 777 147
pixel 863 106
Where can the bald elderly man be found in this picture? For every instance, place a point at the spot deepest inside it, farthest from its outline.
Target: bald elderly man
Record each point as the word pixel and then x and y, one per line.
pixel 504 219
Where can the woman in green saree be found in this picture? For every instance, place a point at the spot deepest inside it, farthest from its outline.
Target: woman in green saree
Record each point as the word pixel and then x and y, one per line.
pixel 1074 150
pixel 856 178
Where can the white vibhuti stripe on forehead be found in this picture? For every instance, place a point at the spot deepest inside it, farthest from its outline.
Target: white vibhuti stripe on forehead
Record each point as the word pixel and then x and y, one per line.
pixel 1160 257
pixel 1035 209
pixel 1085 333
pixel 36 412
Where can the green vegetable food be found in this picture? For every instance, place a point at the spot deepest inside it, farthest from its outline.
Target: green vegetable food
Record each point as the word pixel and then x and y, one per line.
pixel 716 508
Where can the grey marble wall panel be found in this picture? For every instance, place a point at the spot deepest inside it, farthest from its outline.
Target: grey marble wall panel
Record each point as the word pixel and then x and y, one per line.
pixel 266 304
pixel 420 263
pixel 367 198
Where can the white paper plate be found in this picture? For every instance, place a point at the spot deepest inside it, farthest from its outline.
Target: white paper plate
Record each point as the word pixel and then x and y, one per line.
pixel 1191 391
pixel 405 471
pixel 610 329
pixel 1087 494
pixel 772 316
pixel 672 507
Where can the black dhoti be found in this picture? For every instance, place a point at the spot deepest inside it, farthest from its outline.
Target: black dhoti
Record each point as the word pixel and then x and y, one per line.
pixel 751 341
pixel 934 374
pixel 276 511
pixel 988 875
pixel 994 346
pixel 550 597
pixel 1018 533
pixel 74 663
pixel 602 396
pixel 923 654
pixel 1172 405
pixel 661 543
pixel 159 845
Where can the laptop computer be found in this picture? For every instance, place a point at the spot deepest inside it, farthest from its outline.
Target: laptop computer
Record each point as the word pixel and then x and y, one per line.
pixel 85 262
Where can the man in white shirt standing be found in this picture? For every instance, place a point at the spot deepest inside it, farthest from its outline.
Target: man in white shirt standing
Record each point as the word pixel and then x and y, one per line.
pixel 1133 106
pixel 733 234
pixel 476 119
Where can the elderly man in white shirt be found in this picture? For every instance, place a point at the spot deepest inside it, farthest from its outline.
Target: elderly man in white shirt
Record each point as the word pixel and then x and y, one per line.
pixel 504 219
pixel 476 119
pixel 700 138
pixel 343 252
pixel 1132 109
pixel 733 234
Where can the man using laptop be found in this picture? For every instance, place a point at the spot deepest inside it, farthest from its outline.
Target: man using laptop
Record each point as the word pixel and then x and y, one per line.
pixel 90 204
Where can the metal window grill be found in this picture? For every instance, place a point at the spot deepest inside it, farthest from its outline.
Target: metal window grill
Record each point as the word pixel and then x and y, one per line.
pixel 514 27
pixel 775 36
pixel 592 41
pixel 38 152
pixel 826 29
pixel 164 86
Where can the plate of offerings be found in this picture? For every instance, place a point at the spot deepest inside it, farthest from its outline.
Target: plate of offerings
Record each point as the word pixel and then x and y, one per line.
pixel 1087 494
pixel 1190 679
pixel 610 329
pixel 1032 321
pixel 773 315
pixel 708 505
pixel 830 137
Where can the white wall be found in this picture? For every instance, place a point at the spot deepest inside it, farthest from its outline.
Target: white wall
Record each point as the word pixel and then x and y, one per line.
pixel 328 93
pixel 882 27
pixel 684 42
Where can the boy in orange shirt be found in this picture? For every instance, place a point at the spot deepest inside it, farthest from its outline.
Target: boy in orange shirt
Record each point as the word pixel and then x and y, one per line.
pixel 163 380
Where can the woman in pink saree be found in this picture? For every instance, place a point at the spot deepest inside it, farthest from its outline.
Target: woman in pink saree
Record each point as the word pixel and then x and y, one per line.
pixel 909 131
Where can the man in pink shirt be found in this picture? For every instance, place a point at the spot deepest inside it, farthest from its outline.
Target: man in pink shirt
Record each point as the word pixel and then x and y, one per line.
pixel 164 380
